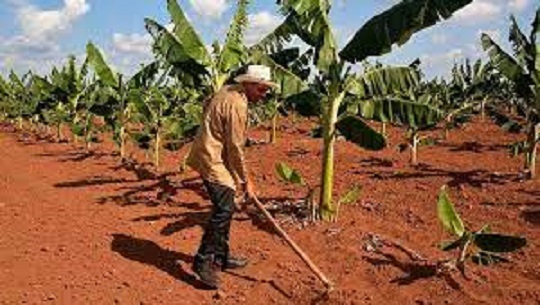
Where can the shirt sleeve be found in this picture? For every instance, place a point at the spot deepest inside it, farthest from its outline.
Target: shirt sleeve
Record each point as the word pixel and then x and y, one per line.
pixel 235 140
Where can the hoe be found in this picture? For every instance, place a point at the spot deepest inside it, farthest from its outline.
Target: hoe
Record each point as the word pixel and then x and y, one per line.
pixel 327 283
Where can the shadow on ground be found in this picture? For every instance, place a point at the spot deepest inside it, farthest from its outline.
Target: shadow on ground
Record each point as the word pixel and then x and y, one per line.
pixel 149 253
pixel 474 178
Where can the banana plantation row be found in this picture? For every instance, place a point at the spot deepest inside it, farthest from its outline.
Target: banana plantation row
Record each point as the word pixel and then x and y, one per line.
pixel 160 106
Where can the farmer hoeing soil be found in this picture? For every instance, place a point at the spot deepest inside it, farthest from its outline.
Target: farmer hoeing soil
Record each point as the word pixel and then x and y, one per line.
pixel 217 155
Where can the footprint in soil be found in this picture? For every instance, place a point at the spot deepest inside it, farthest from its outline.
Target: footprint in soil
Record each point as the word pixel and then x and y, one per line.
pixel 150 253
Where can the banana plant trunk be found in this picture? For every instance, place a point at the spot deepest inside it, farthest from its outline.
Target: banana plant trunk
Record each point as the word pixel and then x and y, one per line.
pixel 414 147
pixel 483 109
pixel 59 135
pixel 327 179
pixel 87 135
pixel 533 149
pixel 157 145
pixel 123 143
pixel 447 128
pixel 273 132
pixel 75 136
pixel 329 120
pixel 87 144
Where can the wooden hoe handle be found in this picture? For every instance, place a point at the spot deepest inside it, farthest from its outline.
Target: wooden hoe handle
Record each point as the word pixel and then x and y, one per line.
pixel 294 246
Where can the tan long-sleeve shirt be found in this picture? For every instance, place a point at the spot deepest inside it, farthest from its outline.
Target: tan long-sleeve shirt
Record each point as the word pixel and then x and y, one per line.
pixel 217 152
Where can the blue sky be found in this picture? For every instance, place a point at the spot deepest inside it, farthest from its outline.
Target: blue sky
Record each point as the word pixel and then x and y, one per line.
pixel 38 34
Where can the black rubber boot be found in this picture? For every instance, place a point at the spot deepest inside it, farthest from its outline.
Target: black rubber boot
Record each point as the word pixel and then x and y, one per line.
pixel 206 271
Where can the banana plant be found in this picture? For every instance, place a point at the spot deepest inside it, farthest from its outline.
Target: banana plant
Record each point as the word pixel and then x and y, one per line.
pixel 65 98
pixel 291 176
pixel 154 110
pixel 76 88
pixel 309 20
pixel 7 103
pixel 69 90
pixel 482 247
pixel 4 99
pixel 42 92
pixel 523 69
pixel 477 82
pixel 186 115
pixel 394 95
pixel 18 93
pixel 416 112
pixel 55 109
pixel 186 55
pixel 114 97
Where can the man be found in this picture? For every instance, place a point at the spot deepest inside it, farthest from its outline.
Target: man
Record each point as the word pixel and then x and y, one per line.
pixel 217 155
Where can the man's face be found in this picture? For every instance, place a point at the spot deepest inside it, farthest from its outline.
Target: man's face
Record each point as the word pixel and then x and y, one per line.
pixel 255 91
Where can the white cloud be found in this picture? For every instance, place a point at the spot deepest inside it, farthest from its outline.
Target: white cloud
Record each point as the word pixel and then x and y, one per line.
pixel 23 44
pixel 260 25
pixel 44 25
pixel 132 43
pixel 478 11
pixel 518 5
pixel 36 46
pixel 209 8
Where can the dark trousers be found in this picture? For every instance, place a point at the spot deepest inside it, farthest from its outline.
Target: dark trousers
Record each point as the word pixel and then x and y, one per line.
pixel 215 240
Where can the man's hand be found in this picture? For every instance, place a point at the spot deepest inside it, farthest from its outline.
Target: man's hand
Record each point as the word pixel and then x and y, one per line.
pixel 247 196
pixel 249 191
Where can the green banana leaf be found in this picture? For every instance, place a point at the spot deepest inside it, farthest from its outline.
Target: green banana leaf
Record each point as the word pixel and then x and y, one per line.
pixel 288 174
pixel 447 214
pixel 400 111
pixel 535 32
pixel 234 52
pixel 396 26
pixel 167 47
pixel 381 82
pixel 357 131
pixel 102 70
pixel 503 62
pixel 187 36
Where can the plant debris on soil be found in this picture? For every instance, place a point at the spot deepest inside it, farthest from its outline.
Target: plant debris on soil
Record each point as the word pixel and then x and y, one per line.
pixel 78 228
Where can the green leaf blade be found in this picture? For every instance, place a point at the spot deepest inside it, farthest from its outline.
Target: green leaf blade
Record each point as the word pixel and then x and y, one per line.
pixel 234 52
pixel 186 35
pixel 357 131
pixel 284 171
pixel 288 174
pixel 102 70
pixel 447 214
pixel 396 26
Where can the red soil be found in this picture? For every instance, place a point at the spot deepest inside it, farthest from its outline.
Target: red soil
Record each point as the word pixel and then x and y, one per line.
pixel 78 229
